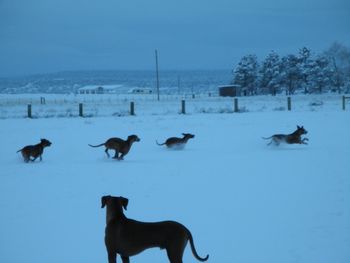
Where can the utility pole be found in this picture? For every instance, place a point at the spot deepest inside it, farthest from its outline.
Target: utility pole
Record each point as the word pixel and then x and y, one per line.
pixel 157 72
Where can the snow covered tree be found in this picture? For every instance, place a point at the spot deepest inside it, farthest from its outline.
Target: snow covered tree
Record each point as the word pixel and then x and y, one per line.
pixel 306 64
pixel 269 74
pixel 290 73
pixel 246 74
pixel 320 74
pixel 339 55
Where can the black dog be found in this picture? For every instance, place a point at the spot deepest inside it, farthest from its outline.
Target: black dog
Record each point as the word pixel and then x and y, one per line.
pixel 128 237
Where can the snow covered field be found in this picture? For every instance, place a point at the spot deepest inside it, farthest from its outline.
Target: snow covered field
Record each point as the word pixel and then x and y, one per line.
pixel 243 201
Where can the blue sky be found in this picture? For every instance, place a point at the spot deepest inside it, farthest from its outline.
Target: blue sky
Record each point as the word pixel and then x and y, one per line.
pixel 39 36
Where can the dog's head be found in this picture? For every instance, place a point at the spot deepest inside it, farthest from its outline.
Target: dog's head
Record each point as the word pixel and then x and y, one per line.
pixel 133 138
pixel 109 200
pixel 301 130
pixel 45 143
pixel 188 135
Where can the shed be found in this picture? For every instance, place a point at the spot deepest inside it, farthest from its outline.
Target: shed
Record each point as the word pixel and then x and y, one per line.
pixel 230 91
pixel 93 89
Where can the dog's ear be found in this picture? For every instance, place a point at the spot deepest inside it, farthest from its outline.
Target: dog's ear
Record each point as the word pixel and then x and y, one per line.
pixel 124 201
pixel 298 127
pixel 104 200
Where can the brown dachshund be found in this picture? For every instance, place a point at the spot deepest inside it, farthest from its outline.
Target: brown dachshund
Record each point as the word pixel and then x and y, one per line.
pixel 34 151
pixel 119 146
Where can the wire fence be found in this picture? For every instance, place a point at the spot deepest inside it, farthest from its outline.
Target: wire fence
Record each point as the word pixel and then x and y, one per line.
pixel 102 105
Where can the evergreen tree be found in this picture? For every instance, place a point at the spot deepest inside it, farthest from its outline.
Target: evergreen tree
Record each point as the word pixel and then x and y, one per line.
pixel 290 73
pixel 246 74
pixel 306 64
pixel 269 74
pixel 321 74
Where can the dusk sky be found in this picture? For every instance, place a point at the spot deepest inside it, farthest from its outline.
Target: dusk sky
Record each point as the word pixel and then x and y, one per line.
pixel 39 36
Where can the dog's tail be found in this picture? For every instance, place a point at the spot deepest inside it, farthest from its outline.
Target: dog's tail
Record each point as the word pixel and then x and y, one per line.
pixel 267 138
pixel 160 143
pixel 19 150
pixel 194 252
pixel 97 145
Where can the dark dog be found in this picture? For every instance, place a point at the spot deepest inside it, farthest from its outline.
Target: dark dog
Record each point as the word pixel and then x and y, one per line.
pixel 128 237
pixel 178 143
pixel 34 151
pixel 292 138
pixel 119 145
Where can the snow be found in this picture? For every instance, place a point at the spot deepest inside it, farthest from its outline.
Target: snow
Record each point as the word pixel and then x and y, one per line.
pixel 243 201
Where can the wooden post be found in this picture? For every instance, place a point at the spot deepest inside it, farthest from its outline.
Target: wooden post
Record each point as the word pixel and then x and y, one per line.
pixel 81 114
pixel 289 102
pixel 236 109
pixel 344 102
pixel 183 107
pixel 132 108
pixel 157 74
pixel 193 96
pixel 29 110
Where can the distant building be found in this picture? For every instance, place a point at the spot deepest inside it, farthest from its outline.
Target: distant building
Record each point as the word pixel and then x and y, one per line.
pixel 140 91
pixel 230 91
pixel 92 89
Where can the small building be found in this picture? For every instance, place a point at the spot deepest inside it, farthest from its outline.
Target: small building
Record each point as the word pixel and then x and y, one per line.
pixel 93 89
pixel 230 91
pixel 140 91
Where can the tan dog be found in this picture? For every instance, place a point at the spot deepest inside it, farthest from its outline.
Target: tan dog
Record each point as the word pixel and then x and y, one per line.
pixel 177 143
pixel 128 237
pixel 292 138
pixel 34 151
pixel 119 146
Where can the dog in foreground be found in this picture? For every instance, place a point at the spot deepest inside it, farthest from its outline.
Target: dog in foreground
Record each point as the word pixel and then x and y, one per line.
pixel 128 237
pixel 177 143
pixel 119 146
pixel 34 151
pixel 293 138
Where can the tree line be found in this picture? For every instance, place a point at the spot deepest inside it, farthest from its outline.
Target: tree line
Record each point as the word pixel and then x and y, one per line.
pixel 304 72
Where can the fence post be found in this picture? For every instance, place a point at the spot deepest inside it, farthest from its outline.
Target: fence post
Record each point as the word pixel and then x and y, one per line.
pixel 183 107
pixel 132 108
pixel 289 102
pixel 29 110
pixel 344 102
pixel 81 114
pixel 236 109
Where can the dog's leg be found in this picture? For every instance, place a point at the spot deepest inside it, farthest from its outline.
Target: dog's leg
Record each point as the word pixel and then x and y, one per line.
pixel 112 257
pixel 125 259
pixel 121 157
pixel 175 253
pixel 106 151
pixel 40 158
pixel 116 154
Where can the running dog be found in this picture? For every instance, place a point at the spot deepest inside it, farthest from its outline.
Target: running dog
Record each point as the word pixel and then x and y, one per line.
pixel 119 146
pixel 34 151
pixel 178 143
pixel 293 138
